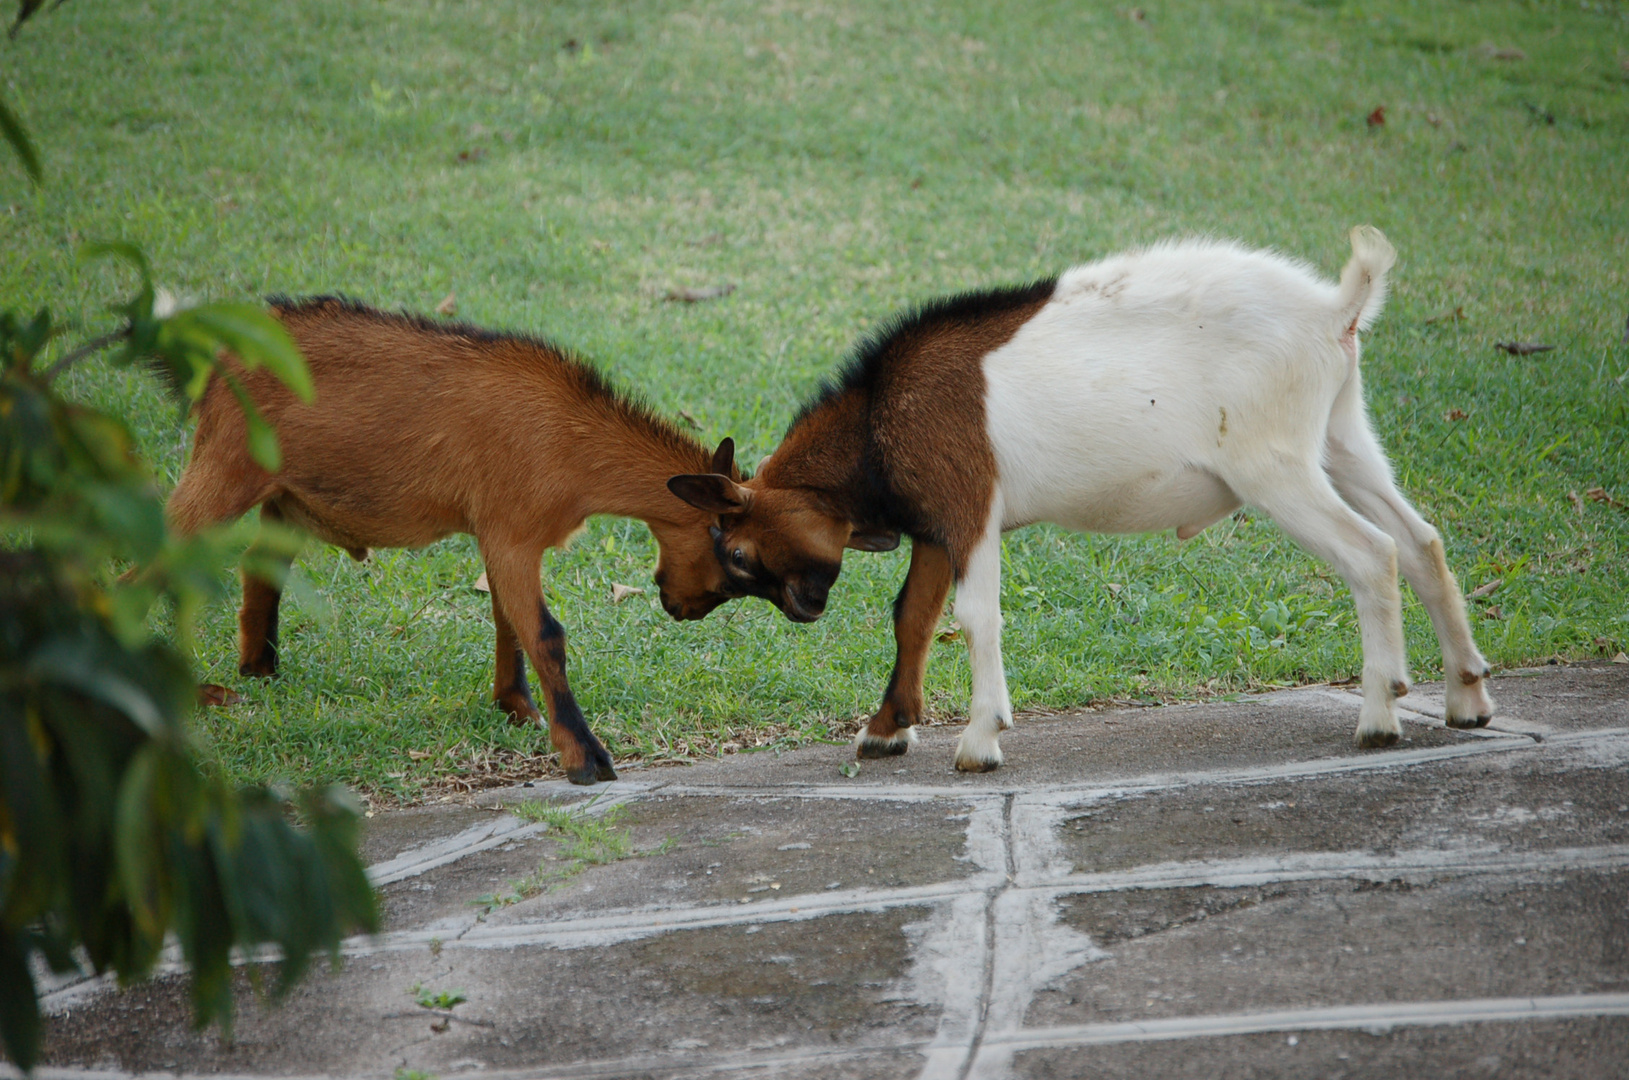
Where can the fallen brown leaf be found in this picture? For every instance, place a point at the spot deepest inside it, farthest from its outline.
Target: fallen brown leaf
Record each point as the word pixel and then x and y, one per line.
pixel 619 593
pixel 214 694
pixel 695 296
pixel 481 583
pixel 1521 348
pixel 953 633
pixel 1453 314
pixel 1493 611
pixel 469 157
pixel 1620 659
pixel 1508 54
pixel 1456 414
pixel 1378 117
pixel 420 755
pixel 688 419
pixel 448 305
pixel 1598 494
pixel 1486 590
pixel 1578 504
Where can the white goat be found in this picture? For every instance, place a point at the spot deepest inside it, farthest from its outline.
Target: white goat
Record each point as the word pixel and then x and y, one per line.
pixel 1153 390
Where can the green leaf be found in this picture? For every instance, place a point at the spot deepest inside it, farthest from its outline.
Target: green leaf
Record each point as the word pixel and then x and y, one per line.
pixel 257 339
pixel 138 844
pixel 17 135
pixel 19 1015
pixel 262 439
pixel 263 442
pixel 80 664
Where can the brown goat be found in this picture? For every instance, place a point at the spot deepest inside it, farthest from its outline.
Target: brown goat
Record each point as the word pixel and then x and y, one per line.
pixel 422 429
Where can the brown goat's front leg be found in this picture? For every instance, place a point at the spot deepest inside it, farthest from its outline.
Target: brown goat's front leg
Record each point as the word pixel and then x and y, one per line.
pixel 514 580
pixel 917 609
pixel 257 618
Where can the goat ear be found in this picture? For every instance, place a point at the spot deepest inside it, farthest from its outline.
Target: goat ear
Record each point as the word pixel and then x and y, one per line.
pixel 724 458
pixel 873 540
pixel 710 492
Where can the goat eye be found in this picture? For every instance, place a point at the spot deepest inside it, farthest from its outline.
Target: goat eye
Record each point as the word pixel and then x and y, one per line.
pixel 738 559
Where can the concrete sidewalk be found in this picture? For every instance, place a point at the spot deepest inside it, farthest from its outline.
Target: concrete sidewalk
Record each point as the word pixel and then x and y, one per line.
pixel 1215 890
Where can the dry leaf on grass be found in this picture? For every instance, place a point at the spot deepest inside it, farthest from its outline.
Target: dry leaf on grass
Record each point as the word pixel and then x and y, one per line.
pixel 1620 659
pixel 215 694
pixel 690 420
pixel 1521 348
pixel 1377 118
pixel 1486 590
pixel 951 633
pixel 448 306
pixel 693 296
pixel 1493 611
pixel 1453 314
pixel 619 593
pixel 1598 494
pixel 1456 414
pixel 481 583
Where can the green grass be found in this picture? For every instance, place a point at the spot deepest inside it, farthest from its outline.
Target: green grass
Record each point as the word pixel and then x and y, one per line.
pixel 838 161
pixel 586 840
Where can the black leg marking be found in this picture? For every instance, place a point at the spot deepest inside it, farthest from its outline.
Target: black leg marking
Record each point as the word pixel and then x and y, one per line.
pixel 596 759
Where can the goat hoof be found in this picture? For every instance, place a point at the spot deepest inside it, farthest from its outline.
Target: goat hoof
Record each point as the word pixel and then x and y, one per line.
pixel 603 771
pixel 977 766
pixel 1465 723
pixel 884 746
pixel 585 776
pixel 259 669
pixel 1375 740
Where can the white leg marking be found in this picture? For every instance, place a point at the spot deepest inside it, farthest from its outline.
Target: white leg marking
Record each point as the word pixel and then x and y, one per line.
pixel 978 609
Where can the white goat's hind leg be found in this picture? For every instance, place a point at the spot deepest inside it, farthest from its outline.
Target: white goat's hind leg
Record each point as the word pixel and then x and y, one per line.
pixel 1307 507
pixel 978 609
pixel 1361 473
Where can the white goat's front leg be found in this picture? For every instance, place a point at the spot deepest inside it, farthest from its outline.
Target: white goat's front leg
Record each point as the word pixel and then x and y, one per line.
pixel 1362 475
pixel 1305 505
pixel 978 609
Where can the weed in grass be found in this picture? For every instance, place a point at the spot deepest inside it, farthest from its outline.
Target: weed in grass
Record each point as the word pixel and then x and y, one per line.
pixel 587 840
pixel 437 999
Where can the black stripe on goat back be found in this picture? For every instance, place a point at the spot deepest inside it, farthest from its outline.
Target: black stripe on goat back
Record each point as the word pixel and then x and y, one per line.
pixel 900 334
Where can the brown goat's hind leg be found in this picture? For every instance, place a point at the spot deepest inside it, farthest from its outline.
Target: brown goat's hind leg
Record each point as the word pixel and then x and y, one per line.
pixel 917 609
pixel 513 576
pixel 257 618
pixel 510 690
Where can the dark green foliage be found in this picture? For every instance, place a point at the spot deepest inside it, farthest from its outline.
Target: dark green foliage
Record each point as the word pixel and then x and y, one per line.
pixel 111 833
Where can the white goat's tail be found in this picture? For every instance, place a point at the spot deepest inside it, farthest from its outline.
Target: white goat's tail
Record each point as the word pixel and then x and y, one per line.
pixel 1363 282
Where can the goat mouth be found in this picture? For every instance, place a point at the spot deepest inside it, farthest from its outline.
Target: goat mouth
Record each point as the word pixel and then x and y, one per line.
pixel 793 608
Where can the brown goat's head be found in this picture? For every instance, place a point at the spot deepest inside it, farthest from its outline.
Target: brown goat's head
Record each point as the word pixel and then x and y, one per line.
pixel 691 580
pixel 784 544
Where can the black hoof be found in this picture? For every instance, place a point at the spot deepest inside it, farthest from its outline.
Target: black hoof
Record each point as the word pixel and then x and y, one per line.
pixel 587 775
pixel 1465 723
pixel 880 748
pixel 259 669
pixel 1378 740
pixel 603 771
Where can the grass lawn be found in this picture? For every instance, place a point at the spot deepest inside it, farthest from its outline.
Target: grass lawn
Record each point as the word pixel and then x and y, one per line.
pixel 561 167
